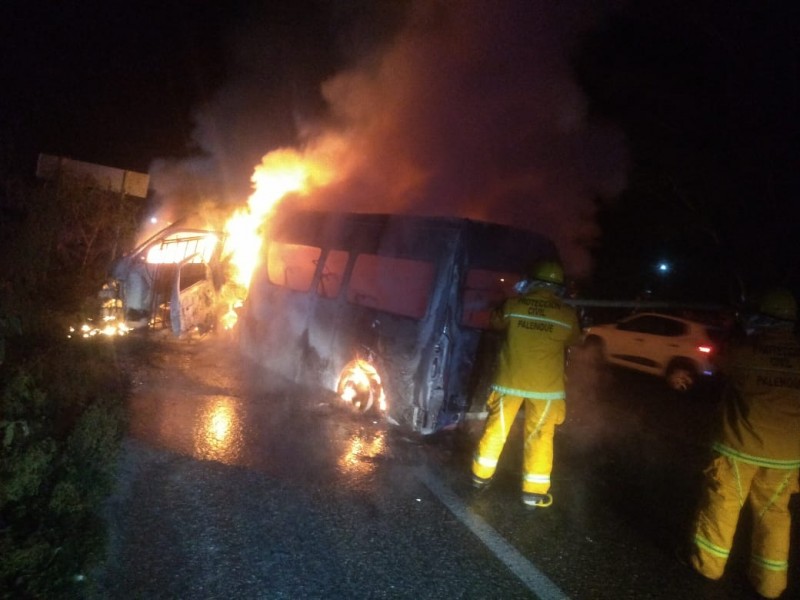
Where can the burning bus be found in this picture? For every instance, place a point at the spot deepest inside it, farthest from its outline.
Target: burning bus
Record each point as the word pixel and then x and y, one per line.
pixel 388 312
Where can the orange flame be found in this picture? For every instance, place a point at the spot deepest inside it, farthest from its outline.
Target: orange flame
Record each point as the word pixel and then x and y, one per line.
pixel 280 173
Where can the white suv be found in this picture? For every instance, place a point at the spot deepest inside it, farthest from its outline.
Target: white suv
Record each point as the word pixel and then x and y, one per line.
pixel 677 349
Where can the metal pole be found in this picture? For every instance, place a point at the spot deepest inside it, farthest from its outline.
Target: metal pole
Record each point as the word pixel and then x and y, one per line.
pixel 119 215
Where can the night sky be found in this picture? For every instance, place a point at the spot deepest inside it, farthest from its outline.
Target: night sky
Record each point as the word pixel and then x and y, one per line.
pixel 121 83
pixel 630 132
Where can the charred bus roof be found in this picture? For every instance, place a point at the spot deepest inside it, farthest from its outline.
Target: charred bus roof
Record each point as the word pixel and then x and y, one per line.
pixel 485 244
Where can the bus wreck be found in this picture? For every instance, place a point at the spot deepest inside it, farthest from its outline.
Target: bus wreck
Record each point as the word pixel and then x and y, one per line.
pixel 388 312
pixel 170 281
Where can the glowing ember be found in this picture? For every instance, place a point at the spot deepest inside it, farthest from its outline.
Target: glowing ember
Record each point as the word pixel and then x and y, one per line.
pixel 229 319
pixel 280 173
pixel 110 327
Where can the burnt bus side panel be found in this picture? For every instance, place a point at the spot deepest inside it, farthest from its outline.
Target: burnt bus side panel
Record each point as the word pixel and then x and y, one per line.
pixel 334 331
pixel 393 344
pixel 273 328
pixel 434 380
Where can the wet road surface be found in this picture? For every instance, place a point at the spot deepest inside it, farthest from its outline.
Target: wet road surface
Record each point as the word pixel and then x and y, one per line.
pixel 235 485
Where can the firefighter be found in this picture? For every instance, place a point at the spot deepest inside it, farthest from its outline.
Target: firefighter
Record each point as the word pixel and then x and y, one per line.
pixel 539 328
pixel 757 455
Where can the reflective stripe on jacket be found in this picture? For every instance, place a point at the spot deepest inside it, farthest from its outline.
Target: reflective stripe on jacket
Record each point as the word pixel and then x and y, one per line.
pixel 539 326
pixel 761 424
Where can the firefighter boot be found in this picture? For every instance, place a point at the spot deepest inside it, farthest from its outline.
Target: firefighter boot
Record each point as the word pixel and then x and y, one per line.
pixel 479 484
pixel 531 500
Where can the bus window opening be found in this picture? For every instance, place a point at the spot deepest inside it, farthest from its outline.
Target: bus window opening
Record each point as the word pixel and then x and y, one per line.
pixel 292 265
pixel 483 292
pixel 395 285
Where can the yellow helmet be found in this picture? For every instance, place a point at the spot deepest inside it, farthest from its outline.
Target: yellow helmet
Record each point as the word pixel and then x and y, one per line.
pixel 778 303
pixel 548 270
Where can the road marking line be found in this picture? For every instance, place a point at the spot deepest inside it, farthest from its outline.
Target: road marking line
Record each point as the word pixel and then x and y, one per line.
pixel 533 578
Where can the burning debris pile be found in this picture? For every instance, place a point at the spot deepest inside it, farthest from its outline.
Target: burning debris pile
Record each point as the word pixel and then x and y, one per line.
pixel 109 327
pixel 111 321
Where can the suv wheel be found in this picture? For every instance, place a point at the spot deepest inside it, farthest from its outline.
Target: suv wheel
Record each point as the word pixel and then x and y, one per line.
pixel 594 350
pixel 681 376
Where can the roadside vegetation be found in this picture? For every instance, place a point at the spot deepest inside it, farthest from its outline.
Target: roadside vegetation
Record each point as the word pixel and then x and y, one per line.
pixel 61 400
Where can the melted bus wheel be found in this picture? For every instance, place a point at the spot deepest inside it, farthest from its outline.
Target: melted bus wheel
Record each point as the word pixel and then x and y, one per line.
pixel 360 387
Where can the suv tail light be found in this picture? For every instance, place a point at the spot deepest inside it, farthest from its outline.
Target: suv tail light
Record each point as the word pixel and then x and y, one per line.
pixel 704 349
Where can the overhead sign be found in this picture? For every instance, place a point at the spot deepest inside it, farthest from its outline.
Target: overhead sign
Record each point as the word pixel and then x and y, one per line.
pixel 121 181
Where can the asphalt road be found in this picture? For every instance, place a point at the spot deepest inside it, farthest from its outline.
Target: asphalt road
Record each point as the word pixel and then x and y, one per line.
pixel 235 485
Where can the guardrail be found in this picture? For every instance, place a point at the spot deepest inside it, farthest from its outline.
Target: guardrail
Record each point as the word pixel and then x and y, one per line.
pixel 645 304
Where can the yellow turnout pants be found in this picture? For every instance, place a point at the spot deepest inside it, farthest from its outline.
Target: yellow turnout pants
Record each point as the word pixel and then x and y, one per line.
pixel 730 483
pixel 541 418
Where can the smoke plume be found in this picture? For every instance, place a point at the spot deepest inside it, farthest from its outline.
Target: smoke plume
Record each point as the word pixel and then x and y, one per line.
pixel 469 109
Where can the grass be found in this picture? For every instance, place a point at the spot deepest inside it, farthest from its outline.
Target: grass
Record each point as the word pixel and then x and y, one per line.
pixel 61 422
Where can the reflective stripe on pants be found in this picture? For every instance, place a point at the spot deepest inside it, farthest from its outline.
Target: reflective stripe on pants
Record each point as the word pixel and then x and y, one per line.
pixel 541 418
pixel 730 483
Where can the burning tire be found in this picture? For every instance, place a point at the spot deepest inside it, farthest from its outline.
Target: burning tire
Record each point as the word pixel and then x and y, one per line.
pixel 360 387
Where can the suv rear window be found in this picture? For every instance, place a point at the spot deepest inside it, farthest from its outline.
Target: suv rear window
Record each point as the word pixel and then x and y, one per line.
pixel 654 325
pixel 673 328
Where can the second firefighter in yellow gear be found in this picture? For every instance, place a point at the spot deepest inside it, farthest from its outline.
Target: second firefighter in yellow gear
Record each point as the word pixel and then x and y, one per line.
pixel 539 327
pixel 757 456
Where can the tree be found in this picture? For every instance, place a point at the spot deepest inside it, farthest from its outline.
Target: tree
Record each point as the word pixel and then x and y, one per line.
pixel 61 237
